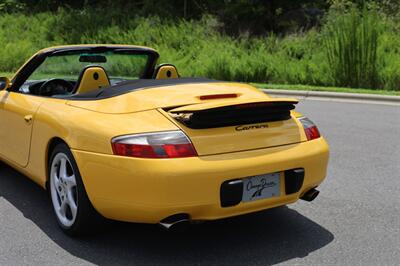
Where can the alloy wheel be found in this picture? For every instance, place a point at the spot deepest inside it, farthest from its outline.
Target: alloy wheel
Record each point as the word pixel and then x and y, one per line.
pixel 64 193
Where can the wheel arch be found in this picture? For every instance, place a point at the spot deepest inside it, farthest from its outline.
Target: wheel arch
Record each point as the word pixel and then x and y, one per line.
pixel 53 142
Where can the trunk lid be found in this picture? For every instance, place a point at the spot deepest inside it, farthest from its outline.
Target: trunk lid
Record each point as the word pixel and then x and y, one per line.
pixel 237 125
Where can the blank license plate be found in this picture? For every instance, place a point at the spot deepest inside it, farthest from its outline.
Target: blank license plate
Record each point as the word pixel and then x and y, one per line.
pixel 261 187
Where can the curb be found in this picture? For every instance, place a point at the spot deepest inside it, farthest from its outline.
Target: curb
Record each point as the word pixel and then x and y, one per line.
pixel 336 96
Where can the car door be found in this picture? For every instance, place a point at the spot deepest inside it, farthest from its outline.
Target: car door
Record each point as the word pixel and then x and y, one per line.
pixel 17 115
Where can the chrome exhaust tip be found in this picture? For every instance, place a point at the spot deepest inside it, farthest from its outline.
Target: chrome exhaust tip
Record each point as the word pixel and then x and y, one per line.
pixel 310 195
pixel 176 223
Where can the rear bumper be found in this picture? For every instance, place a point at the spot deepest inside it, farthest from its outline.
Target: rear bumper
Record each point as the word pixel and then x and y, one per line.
pixel 149 190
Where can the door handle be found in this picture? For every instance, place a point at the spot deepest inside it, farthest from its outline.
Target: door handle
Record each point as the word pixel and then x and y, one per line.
pixel 28 118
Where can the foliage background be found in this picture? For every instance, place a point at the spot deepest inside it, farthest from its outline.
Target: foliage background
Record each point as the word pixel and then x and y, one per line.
pixel 325 43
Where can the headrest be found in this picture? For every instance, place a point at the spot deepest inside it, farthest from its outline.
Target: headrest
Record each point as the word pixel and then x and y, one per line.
pixel 166 71
pixel 92 78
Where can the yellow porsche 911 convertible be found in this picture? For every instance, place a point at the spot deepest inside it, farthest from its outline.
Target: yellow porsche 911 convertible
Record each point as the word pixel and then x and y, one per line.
pixel 110 134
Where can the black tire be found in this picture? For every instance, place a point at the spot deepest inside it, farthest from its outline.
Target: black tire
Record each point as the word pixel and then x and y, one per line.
pixel 87 218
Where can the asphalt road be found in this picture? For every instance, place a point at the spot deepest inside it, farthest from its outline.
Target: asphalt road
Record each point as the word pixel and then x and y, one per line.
pixel 354 221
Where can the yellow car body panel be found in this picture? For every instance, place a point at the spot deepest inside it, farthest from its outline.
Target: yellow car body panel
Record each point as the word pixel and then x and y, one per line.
pixel 84 130
pixel 149 190
pixel 170 96
pixel 146 190
pixel 17 113
pixel 243 137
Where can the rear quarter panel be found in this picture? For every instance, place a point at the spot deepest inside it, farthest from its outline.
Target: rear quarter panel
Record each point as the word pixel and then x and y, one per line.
pixel 83 130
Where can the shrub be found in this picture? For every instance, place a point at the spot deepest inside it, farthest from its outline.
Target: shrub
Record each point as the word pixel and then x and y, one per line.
pixel 198 48
pixel 351 42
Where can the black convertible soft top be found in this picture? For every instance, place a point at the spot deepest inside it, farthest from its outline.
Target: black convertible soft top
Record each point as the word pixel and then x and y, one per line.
pixel 133 85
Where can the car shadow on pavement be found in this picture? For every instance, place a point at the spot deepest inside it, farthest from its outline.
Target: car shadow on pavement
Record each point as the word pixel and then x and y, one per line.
pixel 267 237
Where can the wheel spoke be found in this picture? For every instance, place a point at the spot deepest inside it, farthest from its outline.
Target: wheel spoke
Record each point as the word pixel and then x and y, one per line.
pixel 58 186
pixel 63 208
pixel 70 181
pixel 72 204
pixel 56 182
pixel 63 168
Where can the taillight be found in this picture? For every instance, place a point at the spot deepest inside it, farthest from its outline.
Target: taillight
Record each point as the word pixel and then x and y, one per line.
pixel 167 144
pixel 310 128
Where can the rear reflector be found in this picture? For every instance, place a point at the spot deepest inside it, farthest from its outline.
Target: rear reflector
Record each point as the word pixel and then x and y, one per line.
pixel 167 144
pixel 310 128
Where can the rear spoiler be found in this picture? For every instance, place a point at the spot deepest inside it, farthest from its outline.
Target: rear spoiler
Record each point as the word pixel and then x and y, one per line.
pixel 230 103
pixel 224 113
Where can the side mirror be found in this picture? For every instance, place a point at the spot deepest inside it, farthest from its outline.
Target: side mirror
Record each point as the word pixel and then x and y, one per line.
pixel 5 83
pixel 166 71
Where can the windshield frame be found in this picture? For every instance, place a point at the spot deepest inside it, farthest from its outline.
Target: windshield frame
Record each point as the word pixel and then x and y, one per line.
pixel 27 70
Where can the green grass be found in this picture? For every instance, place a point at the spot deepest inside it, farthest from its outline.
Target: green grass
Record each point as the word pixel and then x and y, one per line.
pixel 351 45
pixel 328 89
pixel 6 74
